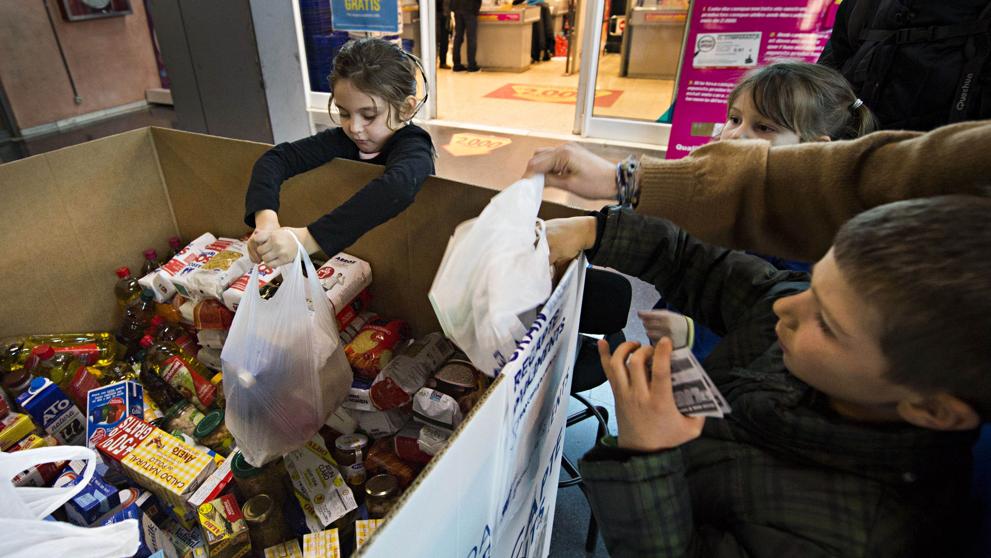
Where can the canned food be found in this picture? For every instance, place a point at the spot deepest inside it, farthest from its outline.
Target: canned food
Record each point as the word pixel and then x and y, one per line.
pixel 213 433
pixel 251 481
pixel 183 417
pixel 266 524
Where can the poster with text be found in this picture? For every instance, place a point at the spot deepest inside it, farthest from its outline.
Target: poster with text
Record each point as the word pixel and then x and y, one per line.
pixel 727 38
pixel 380 16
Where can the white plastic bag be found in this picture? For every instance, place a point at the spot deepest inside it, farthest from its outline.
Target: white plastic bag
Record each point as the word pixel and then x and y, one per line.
pixel 495 272
pixel 284 367
pixel 27 535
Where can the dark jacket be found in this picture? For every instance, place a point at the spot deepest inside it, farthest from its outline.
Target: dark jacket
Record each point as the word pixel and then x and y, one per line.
pixel 908 59
pixel 782 474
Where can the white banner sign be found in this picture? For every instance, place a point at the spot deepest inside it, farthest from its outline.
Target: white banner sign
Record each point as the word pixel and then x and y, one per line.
pixel 491 493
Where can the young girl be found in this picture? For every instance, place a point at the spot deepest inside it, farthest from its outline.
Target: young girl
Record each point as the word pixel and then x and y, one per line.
pixel 787 103
pixel 374 88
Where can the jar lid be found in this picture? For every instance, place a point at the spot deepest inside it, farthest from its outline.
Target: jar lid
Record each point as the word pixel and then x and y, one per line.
pixel 176 410
pixel 242 469
pixel 382 486
pixel 208 423
pixel 16 378
pixel 257 508
pixel 457 373
pixel 351 442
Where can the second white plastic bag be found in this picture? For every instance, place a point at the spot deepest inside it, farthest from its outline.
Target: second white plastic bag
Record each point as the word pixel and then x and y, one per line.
pixel 495 272
pixel 26 534
pixel 284 367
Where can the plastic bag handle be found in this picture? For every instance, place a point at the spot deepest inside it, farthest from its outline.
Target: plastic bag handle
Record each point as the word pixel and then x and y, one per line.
pixel 311 279
pixel 43 501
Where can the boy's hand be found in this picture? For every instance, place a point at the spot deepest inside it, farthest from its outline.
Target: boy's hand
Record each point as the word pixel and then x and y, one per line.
pixel 575 169
pixel 646 413
pixel 567 238
pixel 664 323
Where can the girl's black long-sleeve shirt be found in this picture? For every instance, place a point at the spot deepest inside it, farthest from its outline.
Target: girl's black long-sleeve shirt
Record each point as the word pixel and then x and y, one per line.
pixel 408 157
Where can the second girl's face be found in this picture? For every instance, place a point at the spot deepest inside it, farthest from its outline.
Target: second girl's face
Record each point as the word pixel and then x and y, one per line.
pixel 744 122
pixel 366 119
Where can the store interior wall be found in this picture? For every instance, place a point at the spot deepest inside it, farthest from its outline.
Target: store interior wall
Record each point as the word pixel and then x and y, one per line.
pixel 112 61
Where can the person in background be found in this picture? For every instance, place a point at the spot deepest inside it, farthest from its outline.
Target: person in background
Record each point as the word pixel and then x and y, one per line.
pixel 918 64
pixel 787 201
pixel 373 85
pixel 443 30
pixel 465 21
pixel 856 392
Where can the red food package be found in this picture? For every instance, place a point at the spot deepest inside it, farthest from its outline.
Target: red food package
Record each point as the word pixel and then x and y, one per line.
pixel 382 458
pixel 122 440
pixel 212 314
pixel 407 446
pixel 372 348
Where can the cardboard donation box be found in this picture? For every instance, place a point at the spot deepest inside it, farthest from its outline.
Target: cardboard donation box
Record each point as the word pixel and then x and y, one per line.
pixel 75 215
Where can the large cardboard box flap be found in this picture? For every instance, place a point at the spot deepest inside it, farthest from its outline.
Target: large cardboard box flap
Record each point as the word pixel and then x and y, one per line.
pixel 71 217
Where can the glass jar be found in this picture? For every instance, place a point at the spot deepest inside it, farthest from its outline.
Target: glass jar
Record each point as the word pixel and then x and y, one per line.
pixel 213 433
pixel 183 417
pixel 266 524
pixel 251 481
pixel 381 495
pixel 350 452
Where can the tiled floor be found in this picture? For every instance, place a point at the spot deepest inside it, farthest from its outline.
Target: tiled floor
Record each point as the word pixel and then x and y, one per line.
pixel 461 96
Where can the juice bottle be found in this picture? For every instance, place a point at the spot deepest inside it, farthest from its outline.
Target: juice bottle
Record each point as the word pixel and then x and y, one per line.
pixel 92 348
pixel 151 261
pixel 127 289
pixel 181 371
pixel 137 318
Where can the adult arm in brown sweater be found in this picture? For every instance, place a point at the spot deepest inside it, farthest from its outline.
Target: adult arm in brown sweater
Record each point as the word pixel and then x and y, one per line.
pixel 787 201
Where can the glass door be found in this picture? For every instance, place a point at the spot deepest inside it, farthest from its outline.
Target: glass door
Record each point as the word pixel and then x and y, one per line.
pixel 631 51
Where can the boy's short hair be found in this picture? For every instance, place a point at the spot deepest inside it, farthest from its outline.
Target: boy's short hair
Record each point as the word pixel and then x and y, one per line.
pixel 925 264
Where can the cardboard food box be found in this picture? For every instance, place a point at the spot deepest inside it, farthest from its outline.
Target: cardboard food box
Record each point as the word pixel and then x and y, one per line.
pixel 168 467
pixel 224 529
pixel 141 187
pixel 121 441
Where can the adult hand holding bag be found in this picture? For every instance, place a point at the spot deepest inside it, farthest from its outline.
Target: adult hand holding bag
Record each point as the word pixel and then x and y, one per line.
pixel 27 535
pixel 494 273
pixel 284 367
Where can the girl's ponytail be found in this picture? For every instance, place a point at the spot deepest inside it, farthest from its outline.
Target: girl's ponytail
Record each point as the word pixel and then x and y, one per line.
pixel 863 120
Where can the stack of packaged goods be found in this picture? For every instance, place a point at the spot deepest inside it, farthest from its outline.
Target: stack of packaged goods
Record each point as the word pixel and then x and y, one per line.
pixel 149 399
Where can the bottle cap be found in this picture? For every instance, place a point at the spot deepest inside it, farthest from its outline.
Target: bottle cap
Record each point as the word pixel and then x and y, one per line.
pixel 147 294
pixel 208 424
pixel 14 379
pixel 44 352
pixel 175 242
pixel 147 341
pixel 151 254
pixel 123 272
pixel 157 321
pixel 38 383
pixel 242 469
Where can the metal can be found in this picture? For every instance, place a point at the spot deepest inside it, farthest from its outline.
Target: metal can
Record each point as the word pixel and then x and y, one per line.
pixel 213 433
pixel 381 495
pixel 266 524
pixel 271 479
pixel 350 451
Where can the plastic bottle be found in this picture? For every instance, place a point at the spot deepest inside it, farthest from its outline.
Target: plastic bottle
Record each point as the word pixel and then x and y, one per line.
pixel 175 244
pixel 119 371
pixel 178 335
pixel 127 289
pixel 38 359
pixel 151 261
pixel 181 371
pixel 92 348
pixel 59 368
pixel 137 318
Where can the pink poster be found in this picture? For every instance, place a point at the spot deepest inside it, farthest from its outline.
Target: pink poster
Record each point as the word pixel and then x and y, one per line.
pixel 726 38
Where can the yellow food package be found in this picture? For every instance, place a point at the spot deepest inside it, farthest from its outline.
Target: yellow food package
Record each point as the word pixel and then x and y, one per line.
pixel 323 544
pixel 168 467
pixel 363 529
pixel 288 549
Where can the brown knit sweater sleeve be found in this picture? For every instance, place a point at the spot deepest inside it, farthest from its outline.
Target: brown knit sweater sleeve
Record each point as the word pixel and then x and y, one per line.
pixel 790 201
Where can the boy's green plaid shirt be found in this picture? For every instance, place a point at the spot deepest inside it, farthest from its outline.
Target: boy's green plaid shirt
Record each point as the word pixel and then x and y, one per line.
pixel 782 475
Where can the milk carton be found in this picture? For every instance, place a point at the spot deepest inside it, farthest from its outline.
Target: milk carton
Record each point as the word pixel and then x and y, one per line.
pixel 108 406
pixel 52 409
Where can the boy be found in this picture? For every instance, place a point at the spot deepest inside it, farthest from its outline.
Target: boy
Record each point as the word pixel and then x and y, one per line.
pixel 855 395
